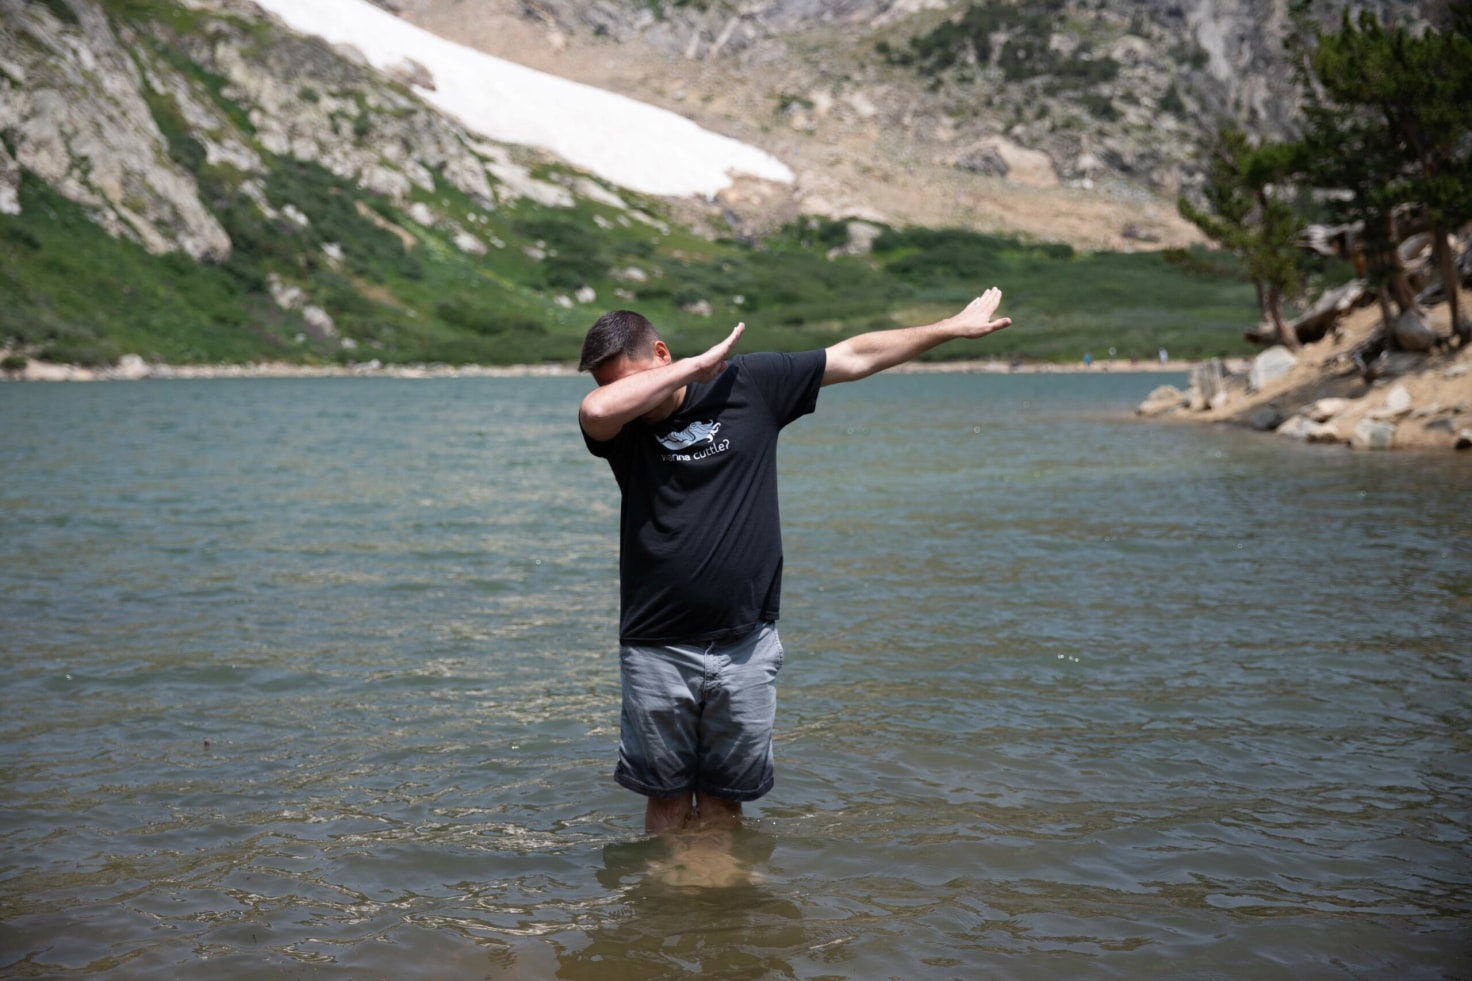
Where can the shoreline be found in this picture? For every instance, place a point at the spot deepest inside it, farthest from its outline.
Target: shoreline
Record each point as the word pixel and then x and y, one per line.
pixel 1319 394
pixel 134 368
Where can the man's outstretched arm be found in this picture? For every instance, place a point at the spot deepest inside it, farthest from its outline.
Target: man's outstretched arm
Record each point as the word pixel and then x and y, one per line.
pixel 864 354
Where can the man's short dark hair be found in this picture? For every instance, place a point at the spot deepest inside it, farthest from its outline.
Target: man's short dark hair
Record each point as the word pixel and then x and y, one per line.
pixel 618 332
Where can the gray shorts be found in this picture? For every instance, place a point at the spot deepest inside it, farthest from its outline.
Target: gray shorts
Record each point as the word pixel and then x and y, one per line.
pixel 700 717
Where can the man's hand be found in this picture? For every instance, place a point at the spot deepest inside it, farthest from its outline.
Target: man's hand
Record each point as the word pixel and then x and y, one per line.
pixel 976 320
pixel 710 364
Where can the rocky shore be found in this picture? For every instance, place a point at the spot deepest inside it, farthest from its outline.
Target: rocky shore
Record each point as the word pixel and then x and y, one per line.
pixel 1323 393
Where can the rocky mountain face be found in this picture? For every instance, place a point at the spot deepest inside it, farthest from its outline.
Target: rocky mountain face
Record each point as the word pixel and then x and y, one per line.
pixel 1067 120
pixel 118 114
pixel 1071 120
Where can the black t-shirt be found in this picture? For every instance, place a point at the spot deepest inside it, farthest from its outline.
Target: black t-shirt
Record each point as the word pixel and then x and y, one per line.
pixel 700 537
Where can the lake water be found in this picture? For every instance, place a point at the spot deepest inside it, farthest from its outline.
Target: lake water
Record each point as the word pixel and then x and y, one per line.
pixel 317 678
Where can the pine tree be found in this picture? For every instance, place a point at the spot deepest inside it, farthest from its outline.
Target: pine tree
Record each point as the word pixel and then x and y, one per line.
pixel 1245 213
pixel 1389 119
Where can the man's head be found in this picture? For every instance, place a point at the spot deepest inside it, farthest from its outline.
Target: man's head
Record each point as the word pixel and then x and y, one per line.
pixel 619 343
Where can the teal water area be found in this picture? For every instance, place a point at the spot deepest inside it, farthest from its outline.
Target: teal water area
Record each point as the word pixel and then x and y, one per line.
pixel 317 679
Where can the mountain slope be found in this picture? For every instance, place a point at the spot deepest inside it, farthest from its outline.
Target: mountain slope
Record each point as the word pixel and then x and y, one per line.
pixel 1060 120
pixel 196 183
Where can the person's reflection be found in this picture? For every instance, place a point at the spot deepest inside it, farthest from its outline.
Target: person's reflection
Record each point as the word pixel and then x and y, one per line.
pixel 694 903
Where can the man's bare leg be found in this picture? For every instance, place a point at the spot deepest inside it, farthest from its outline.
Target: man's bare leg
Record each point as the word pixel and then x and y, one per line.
pixel 663 814
pixel 716 812
pixel 701 851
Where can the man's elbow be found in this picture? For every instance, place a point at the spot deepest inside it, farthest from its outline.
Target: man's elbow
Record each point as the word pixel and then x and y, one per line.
pixel 844 365
pixel 599 426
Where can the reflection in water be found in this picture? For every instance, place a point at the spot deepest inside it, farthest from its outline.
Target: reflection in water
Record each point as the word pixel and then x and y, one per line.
pixel 691 902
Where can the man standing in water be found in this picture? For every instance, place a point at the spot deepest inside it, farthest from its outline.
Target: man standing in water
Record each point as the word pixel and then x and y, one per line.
pixel 693 446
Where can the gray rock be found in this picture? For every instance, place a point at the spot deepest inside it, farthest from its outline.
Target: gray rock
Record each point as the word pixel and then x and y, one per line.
pixel 1373 434
pixel 1413 332
pixel 1164 398
pixel 1269 366
pixel 1304 428
pixel 1208 386
pixel 1397 404
pixel 1395 363
pixel 9 183
pixel 1323 432
pixel 984 160
pixel 1325 409
pixel 1266 418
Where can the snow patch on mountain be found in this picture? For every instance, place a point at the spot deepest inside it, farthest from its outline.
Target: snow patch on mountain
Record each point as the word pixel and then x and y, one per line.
pixel 630 143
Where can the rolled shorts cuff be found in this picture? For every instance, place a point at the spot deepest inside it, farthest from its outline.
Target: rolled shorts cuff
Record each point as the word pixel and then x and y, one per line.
pixel 627 780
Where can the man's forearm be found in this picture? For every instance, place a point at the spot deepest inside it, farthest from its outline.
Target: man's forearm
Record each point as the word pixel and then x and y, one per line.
pixel 864 354
pixel 608 408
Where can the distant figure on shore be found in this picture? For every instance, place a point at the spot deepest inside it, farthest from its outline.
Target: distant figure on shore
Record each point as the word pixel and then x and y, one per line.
pixel 693 445
pixel 1164 357
pixel 1088 360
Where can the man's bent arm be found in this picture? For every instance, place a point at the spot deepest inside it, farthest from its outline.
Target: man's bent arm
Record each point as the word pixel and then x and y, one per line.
pixel 608 408
pixel 864 354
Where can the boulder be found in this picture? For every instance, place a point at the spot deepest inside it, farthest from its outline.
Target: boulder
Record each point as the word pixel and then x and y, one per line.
pixel 984 160
pixel 1373 434
pixel 1269 366
pixel 1164 398
pixel 319 320
pixel 468 243
pixel 1325 409
pixel 1394 363
pixel 1413 332
pixel 1208 386
pixel 9 183
pixel 1266 418
pixel 1397 404
pixel 1464 440
pixel 1304 428
pixel 1323 432
pixel 130 367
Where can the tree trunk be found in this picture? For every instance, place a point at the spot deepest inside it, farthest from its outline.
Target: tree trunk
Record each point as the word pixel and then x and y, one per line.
pixel 1447 263
pixel 1287 336
pixel 1396 273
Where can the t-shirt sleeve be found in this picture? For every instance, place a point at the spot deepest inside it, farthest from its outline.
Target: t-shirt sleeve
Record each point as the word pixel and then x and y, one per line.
pixel 788 382
pixel 604 449
pixel 597 447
